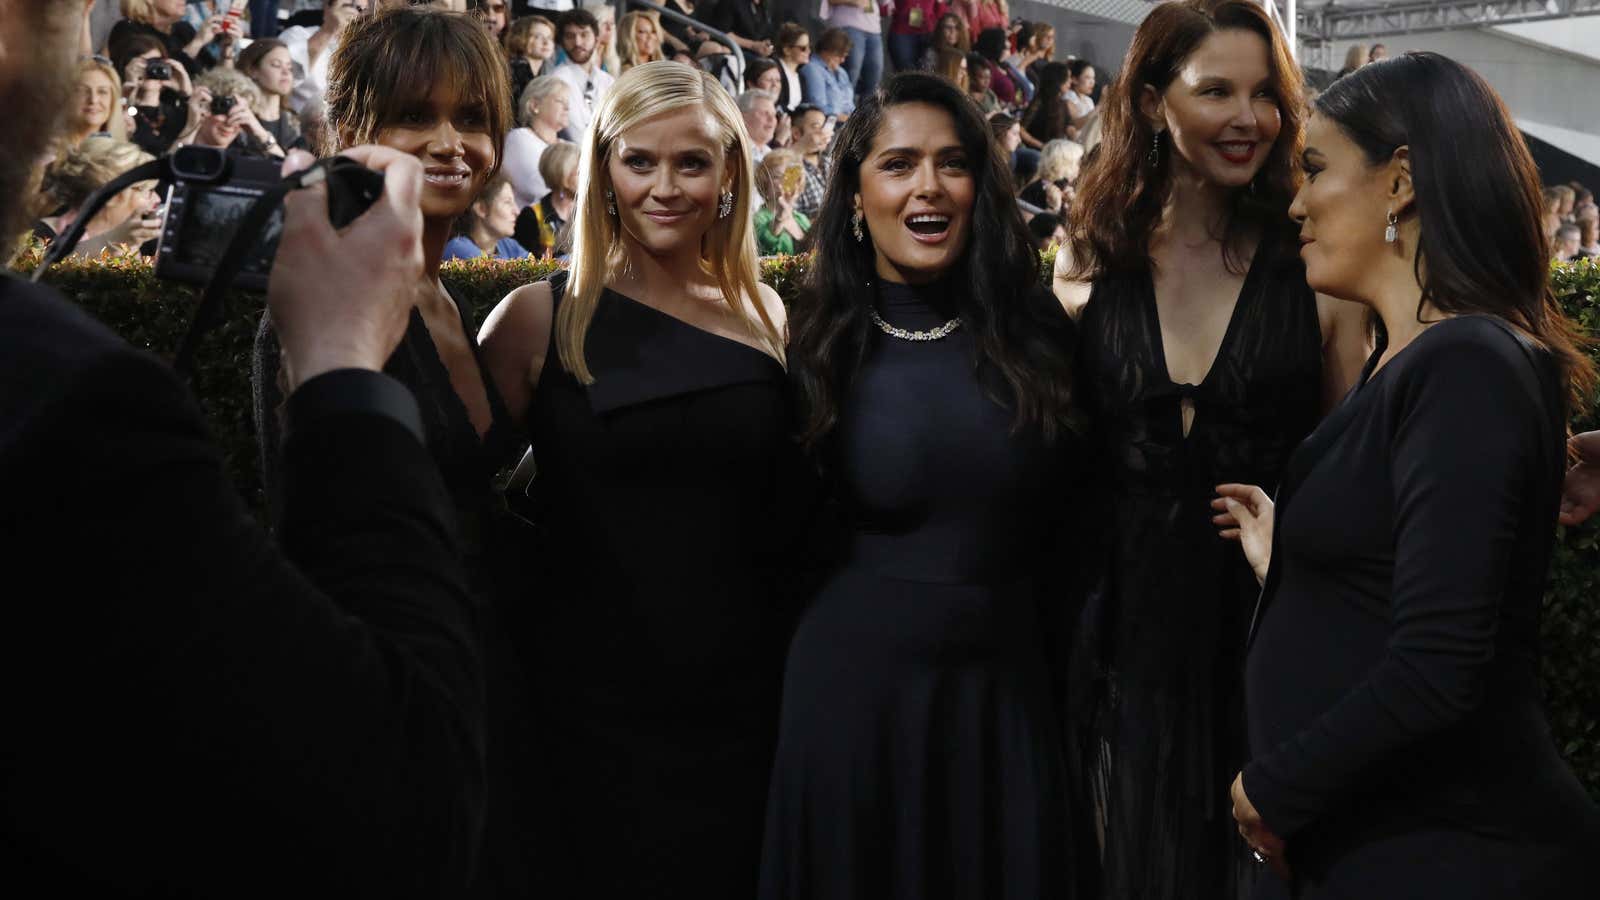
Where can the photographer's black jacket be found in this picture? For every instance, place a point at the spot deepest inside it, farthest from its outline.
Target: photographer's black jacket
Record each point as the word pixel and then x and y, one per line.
pixel 187 713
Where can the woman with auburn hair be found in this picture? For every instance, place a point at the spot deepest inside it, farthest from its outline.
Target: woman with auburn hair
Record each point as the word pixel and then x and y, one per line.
pixel 951 65
pixel 1207 359
pixel 433 83
pixel 920 753
pixel 1400 748
pixel 650 379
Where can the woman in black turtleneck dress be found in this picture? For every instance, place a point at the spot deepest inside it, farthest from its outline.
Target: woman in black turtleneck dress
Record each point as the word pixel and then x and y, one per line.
pixel 918 753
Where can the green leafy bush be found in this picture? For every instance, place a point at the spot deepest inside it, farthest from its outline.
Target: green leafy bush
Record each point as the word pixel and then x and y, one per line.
pixel 150 314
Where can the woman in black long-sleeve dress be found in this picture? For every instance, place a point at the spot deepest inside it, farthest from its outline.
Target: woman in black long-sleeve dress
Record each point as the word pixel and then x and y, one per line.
pixel 1399 746
pixel 919 754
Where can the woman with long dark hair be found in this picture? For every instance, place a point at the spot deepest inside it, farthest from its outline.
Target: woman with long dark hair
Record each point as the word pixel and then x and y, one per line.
pixel 1398 740
pixel 1047 117
pixel 919 753
pixel 1205 355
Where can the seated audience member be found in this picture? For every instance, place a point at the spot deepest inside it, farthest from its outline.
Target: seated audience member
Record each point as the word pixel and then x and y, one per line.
pixel 979 85
pixel 1008 134
pixel 1566 198
pixel 578 31
pixel 823 79
pixel 685 38
pixel 1048 117
pixel 1048 230
pixel 1589 230
pixel 951 34
pixel 911 31
pixel 542 109
pixel 311 48
pixel 760 111
pixel 222 114
pixel 951 65
pixel 638 39
pixel 1080 95
pixel 763 75
pixel 1377 52
pixel 748 22
pixel 794 51
pixel 1568 243
pixel 779 226
pixel 605 41
pixel 530 44
pixel 541 226
pixel 813 133
pixel 97 105
pixel 125 223
pixel 160 106
pixel 486 228
pixel 493 14
pixel 990 46
pixel 863 30
pixel 1036 42
pixel 1051 191
pixel 163 20
pixel 1354 58
pixel 267 63
pixel 292 711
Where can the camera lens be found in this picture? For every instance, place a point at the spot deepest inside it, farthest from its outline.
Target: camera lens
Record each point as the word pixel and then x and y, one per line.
pixel 221 106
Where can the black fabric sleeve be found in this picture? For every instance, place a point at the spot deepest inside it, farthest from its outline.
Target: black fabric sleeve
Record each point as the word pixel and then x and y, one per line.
pixel 1465 432
pixel 321 719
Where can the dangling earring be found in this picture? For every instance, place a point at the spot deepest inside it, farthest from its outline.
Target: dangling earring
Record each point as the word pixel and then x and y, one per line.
pixel 725 206
pixel 1392 233
pixel 855 227
pixel 1155 149
pixel 611 203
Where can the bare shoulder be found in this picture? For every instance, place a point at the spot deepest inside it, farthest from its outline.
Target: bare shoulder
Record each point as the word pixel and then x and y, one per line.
pixel 772 305
pixel 1072 294
pixel 515 339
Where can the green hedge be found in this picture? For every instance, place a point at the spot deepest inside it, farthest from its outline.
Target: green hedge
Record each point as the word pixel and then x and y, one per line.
pixel 151 314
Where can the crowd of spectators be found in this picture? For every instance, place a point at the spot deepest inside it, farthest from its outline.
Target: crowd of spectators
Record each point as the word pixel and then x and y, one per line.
pixel 1571 222
pixel 170 73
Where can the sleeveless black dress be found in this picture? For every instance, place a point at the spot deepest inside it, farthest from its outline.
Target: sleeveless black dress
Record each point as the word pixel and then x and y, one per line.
pixel 919 755
pixel 1159 722
pixel 653 616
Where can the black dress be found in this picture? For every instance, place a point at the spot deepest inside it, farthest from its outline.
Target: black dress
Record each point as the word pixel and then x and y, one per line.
pixel 920 755
pixel 468 464
pixel 1399 742
pixel 1159 727
pixel 655 619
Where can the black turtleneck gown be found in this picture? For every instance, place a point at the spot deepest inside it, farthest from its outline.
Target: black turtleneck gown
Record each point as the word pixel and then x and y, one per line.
pixel 918 752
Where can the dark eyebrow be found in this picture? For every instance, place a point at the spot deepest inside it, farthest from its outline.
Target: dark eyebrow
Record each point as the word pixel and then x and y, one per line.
pixel 914 151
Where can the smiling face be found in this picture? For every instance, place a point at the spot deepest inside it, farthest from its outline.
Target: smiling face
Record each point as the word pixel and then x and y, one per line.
pixel 96 96
pixel 275 72
pixel 217 130
pixel 762 120
pixel 1342 208
pixel 450 136
pixel 644 38
pixel 542 43
pixel 668 173
pixel 917 192
pixel 1220 110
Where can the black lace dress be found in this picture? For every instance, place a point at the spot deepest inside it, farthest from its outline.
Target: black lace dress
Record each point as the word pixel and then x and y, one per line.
pixel 1159 721
pixel 920 755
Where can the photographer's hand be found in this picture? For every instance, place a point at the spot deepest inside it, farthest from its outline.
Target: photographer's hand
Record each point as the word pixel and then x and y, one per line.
pixel 342 299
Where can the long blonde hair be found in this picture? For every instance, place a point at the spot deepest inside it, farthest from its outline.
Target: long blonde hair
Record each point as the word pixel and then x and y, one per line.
pixel 728 249
pixel 116 123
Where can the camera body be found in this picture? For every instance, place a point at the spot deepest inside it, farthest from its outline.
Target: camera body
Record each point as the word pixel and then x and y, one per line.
pixel 158 70
pixel 221 106
pixel 210 194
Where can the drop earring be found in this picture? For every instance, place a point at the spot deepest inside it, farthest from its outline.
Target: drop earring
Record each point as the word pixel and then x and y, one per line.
pixel 1392 233
pixel 725 205
pixel 1155 149
pixel 855 227
pixel 611 203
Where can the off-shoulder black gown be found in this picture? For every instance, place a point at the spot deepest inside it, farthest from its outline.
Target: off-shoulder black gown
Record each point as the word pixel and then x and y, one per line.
pixel 1159 727
pixel 919 754
pixel 1399 742
pixel 655 620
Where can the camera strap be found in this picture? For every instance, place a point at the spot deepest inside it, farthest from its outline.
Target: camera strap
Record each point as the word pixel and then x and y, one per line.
pixel 155 170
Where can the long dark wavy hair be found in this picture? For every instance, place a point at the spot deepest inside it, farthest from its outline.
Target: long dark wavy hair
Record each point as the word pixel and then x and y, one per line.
pixel 1024 338
pixel 1046 117
pixel 1122 190
pixel 1481 246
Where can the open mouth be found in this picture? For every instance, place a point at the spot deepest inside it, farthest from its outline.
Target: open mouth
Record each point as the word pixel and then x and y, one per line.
pixel 1237 151
pixel 929 227
pixel 446 178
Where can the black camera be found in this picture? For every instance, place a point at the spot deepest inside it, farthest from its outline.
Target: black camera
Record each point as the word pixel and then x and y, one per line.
pixel 221 106
pixel 212 191
pixel 158 70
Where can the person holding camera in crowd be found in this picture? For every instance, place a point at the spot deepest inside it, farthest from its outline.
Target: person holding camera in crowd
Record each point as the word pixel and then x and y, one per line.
pixel 193 709
pixel 157 90
pixel 222 115
pixel 651 383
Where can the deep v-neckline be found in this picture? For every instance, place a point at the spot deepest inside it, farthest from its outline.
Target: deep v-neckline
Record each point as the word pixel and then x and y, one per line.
pixel 1153 309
